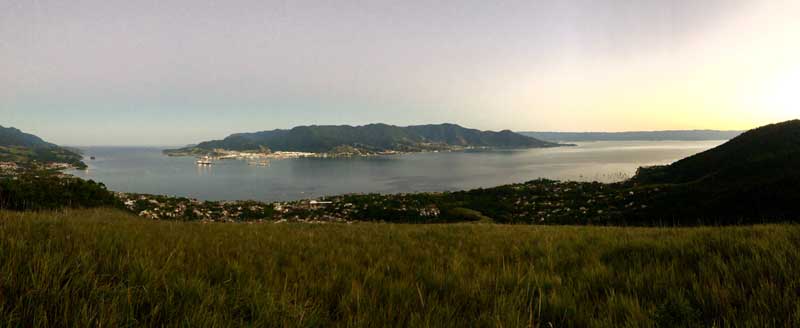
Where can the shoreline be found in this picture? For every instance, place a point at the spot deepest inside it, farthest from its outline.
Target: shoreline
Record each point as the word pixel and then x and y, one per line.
pixel 222 154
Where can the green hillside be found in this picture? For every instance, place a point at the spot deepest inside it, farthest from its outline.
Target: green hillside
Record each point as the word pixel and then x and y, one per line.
pixel 369 138
pixel 14 137
pixel 27 149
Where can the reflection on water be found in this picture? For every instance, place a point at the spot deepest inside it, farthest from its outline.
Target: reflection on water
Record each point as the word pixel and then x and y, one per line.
pixel 146 170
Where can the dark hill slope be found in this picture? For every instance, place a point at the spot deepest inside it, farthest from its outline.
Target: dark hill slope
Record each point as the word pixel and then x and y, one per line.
pixel 24 149
pixel 372 137
pixel 763 152
pixel 752 178
pixel 10 137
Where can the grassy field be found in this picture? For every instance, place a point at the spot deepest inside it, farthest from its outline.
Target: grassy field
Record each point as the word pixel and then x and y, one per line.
pixel 106 268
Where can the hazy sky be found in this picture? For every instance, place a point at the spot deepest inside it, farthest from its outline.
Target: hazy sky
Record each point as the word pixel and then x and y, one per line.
pixel 174 72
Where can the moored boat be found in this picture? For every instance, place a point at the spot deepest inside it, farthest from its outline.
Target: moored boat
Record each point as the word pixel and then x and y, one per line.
pixel 204 161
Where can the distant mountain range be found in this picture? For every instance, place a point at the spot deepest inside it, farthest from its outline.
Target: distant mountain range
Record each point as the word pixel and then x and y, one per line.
pixel 24 148
pixel 678 135
pixel 367 139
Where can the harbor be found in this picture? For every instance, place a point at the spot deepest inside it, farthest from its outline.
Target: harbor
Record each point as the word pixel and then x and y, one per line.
pixel 252 158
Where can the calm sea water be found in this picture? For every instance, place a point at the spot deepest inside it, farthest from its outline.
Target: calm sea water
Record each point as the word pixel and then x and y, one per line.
pixel 146 170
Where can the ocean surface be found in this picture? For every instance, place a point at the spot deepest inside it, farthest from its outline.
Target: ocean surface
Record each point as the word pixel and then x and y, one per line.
pixel 146 170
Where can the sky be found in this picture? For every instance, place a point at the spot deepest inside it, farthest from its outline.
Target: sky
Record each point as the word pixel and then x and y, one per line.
pixel 174 72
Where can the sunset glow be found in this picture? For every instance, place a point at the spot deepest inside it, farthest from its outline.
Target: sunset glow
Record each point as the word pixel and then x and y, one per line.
pixel 531 65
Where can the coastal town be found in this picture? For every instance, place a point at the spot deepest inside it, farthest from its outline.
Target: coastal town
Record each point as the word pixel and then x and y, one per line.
pixel 158 207
pixel 342 151
pixel 533 202
pixel 13 169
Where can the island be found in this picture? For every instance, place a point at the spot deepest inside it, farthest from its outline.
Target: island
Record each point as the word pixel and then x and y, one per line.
pixel 371 139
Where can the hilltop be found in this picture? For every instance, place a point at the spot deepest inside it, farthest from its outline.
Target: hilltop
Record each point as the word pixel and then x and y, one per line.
pixel 370 138
pixel 27 149
pixel 676 135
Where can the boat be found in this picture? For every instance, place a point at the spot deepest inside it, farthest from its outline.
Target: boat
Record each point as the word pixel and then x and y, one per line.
pixel 204 161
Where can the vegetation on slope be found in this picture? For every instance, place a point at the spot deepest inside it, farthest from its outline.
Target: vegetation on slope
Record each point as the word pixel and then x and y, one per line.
pixel 754 154
pixel 47 190
pixel 27 149
pixel 15 137
pixel 107 268
pixel 372 137
pixel 754 175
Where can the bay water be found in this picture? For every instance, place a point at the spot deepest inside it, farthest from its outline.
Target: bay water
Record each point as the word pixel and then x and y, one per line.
pixel 147 170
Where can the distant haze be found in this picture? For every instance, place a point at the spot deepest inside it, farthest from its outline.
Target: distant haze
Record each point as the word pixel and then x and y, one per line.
pixel 688 135
pixel 111 72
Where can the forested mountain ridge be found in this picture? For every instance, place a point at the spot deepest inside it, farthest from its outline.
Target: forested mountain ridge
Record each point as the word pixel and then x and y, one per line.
pixel 371 138
pixel 26 149
pixel 10 137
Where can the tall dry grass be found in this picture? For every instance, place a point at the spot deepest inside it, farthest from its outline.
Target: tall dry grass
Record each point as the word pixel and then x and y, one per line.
pixel 106 268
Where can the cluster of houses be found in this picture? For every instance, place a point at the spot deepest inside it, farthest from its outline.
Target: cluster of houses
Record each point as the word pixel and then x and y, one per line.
pixel 532 202
pixel 174 208
pixel 548 201
pixel 232 154
pixel 8 168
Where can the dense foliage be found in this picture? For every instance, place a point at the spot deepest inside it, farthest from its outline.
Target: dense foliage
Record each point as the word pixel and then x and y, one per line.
pixel 106 268
pixel 372 137
pixel 43 190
